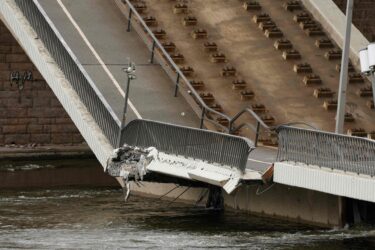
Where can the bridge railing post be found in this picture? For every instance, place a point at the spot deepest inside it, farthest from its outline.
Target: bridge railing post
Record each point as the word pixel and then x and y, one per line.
pixel 129 20
pixel 177 83
pixel 202 118
pixel 230 127
pixel 257 134
pixel 153 52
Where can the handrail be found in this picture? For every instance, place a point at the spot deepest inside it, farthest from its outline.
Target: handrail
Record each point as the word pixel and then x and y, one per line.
pixel 190 142
pixel 259 122
pixel 181 76
pixel 245 124
pixel 170 60
pixel 325 149
pixel 79 64
pixel 217 124
pixel 252 113
pixel 72 69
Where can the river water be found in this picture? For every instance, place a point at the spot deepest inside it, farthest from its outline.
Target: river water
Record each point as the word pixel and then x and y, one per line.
pixel 100 219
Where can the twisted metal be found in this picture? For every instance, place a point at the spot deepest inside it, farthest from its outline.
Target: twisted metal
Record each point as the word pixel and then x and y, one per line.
pixel 100 110
pixel 325 149
pixel 190 142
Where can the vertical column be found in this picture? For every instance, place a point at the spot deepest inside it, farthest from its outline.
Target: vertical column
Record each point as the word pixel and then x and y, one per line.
pixel 129 20
pixel 344 71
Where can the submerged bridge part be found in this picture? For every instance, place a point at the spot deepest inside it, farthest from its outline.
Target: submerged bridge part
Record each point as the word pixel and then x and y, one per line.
pixel 130 163
pixel 184 154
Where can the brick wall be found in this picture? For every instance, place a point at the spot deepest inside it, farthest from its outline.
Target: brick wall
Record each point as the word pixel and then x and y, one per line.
pixel 363 16
pixel 31 115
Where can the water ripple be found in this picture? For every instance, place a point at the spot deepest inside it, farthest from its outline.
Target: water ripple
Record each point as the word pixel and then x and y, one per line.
pixel 99 219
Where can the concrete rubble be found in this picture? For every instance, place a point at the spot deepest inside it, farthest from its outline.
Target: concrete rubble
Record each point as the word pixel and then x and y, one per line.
pixel 130 162
pixel 133 163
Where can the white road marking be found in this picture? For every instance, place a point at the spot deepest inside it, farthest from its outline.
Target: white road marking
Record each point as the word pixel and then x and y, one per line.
pixel 259 161
pixel 89 45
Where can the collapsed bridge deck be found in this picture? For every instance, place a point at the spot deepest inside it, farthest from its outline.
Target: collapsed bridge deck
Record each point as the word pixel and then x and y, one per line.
pixel 183 153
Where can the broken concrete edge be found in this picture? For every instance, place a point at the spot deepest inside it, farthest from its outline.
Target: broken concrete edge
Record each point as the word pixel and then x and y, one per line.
pixel 137 164
pixel 333 20
pixel 45 152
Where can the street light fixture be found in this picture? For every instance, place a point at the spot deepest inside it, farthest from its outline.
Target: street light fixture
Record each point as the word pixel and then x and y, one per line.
pixel 367 60
pixel 371 55
pixel 363 58
pixel 130 71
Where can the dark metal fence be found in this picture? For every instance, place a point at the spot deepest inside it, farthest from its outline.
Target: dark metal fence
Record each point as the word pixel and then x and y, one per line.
pixel 72 69
pixel 190 142
pixel 324 149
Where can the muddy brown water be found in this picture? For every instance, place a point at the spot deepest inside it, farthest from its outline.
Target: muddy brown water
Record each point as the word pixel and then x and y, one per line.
pixel 100 219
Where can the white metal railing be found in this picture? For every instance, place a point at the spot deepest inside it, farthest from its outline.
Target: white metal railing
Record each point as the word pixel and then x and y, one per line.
pixel 325 149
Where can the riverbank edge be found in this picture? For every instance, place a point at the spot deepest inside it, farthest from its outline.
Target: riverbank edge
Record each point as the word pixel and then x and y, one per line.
pixel 45 152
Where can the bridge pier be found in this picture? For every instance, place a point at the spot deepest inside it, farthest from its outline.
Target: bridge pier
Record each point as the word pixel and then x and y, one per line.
pixel 280 202
pixel 288 203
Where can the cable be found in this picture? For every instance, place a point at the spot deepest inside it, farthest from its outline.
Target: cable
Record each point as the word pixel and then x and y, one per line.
pixel 268 188
pixel 177 186
pixel 179 196
pixel 202 195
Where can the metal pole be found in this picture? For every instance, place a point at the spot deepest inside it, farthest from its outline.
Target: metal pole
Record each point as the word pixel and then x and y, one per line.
pixel 230 127
pixel 373 86
pixel 126 99
pixel 341 103
pixel 129 19
pixel 152 52
pixel 257 134
pixel 202 117
pixel 123 117
pixel 177 82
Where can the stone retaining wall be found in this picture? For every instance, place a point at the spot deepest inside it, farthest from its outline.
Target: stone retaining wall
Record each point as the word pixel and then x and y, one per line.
pixel 33 114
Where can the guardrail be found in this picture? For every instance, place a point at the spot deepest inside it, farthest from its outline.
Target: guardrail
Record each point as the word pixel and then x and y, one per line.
pixel 178 77
pixel 325 149
pixel 81 82
pixel 190 142
pixel 259 123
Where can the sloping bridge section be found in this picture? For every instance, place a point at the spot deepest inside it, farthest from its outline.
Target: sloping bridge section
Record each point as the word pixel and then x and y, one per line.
pixel 326 162
pixel 190 142
pixel 219 155
pixel 184 153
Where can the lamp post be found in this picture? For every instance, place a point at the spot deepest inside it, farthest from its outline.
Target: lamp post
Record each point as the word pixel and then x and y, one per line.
pixel 341 102
pixel 367 60
pixel 130 71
